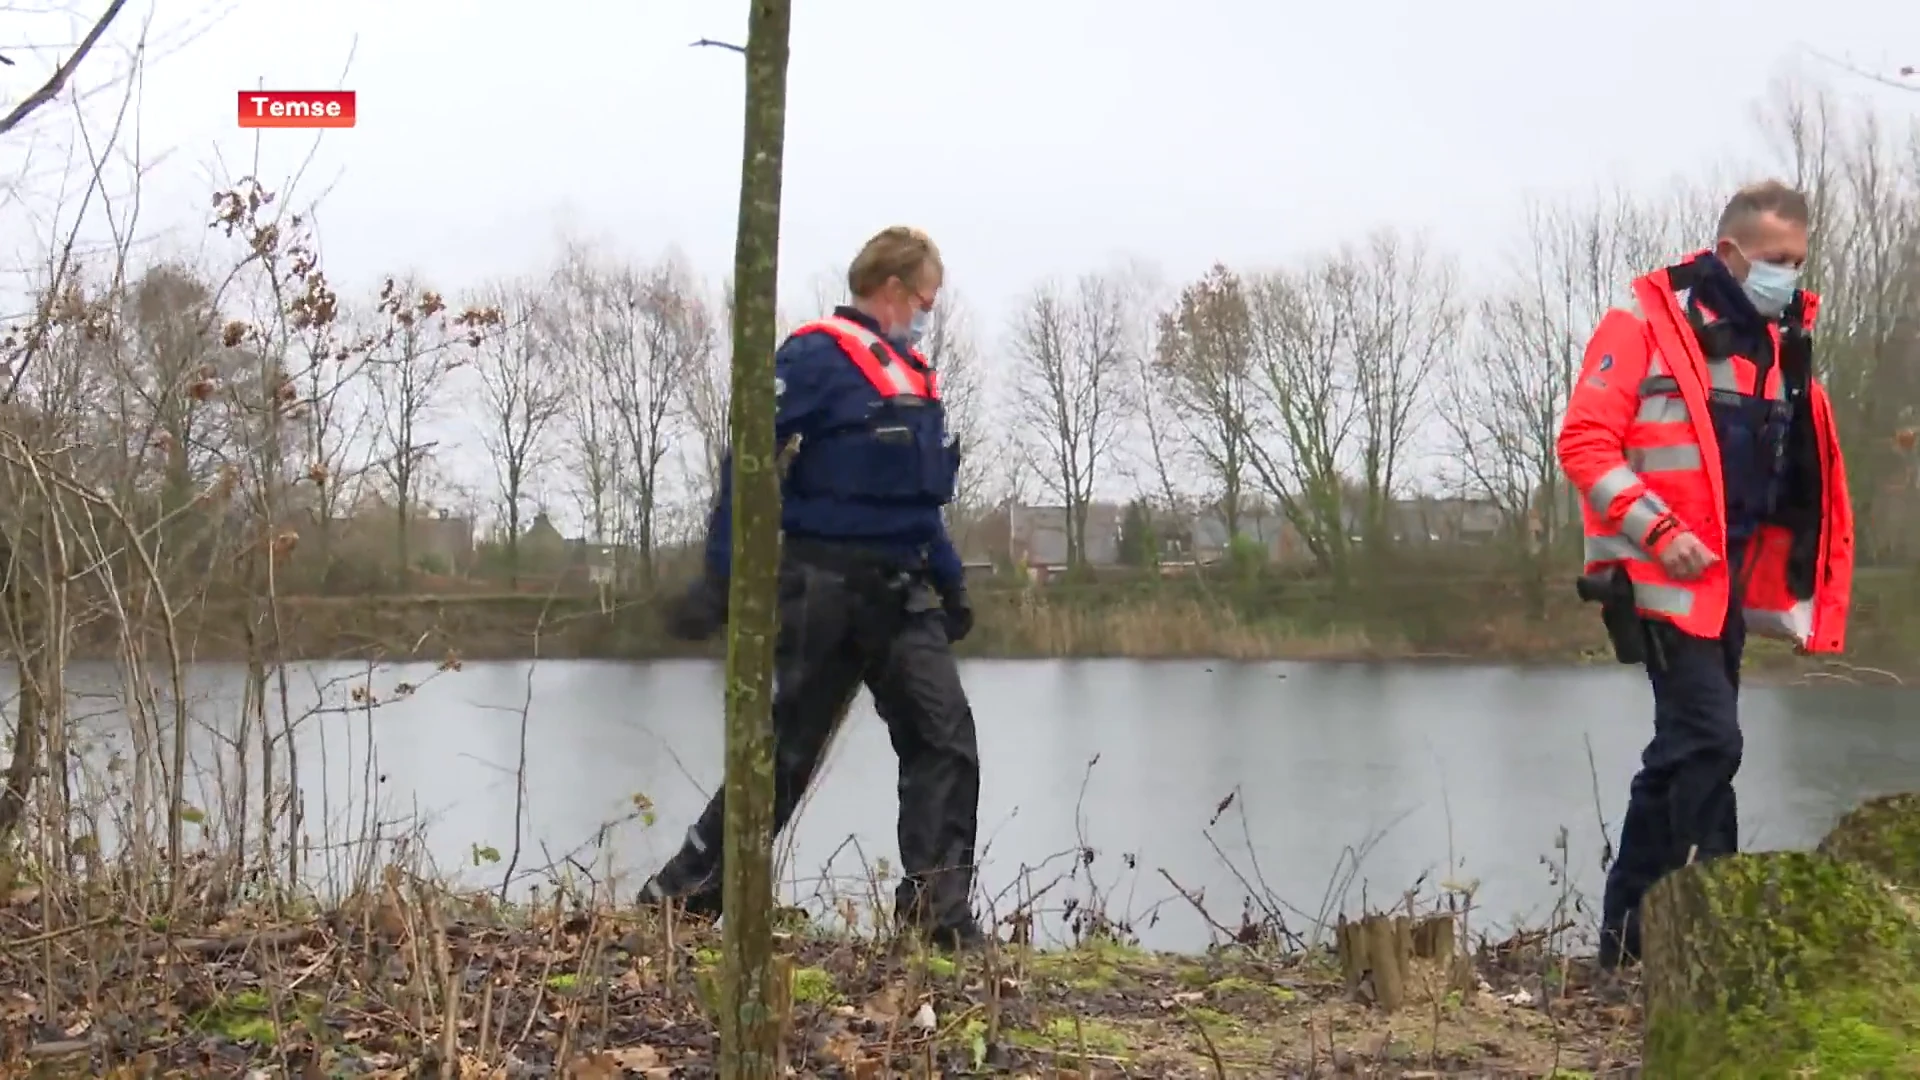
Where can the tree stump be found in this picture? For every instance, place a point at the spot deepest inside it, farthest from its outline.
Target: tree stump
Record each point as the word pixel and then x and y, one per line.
pixel 1883 835
pixel 1375 952
pixel 1433 938
pixel 1780 964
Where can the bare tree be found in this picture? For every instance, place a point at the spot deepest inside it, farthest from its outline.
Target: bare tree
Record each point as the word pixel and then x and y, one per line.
pixel 705 401
pixel 653 330
pixel 1303 332
pixel 168 375
pixel 1204 362
pixel 520 397
pixel 338 426
pixel 594 454
pixel 1863 182
pixel 826 290
pixel 639 335
pixel 410 366
pixel 954 353
pixel 1501 409
pixel 1071 349
pixel 1406 323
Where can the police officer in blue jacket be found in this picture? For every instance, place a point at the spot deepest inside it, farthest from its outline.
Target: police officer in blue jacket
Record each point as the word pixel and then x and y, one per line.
pixel 871 587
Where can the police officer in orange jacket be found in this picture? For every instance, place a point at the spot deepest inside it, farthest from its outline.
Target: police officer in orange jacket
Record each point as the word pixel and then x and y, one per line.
pixel 1715 503
pixel 871 588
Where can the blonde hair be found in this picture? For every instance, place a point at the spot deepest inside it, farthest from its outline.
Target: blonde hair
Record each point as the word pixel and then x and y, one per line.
pixel 899 251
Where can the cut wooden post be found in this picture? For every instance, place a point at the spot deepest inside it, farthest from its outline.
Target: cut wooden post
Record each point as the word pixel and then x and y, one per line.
pixel 1351 941
pixel 1386 962
pixel 1779 964
pixel 1433 937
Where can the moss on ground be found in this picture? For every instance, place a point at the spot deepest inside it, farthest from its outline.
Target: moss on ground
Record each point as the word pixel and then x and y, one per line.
pixel 815 986
pixel 243 1017
pixel 1784 964
pixel 1883 835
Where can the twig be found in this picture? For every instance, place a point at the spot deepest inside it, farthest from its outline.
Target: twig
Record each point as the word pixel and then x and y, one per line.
pixel 206 947
pixel 1905 81
pixel 710 43
pixel 51 89
pixel 1198 906
pixel 55 935
pixel 1213 1052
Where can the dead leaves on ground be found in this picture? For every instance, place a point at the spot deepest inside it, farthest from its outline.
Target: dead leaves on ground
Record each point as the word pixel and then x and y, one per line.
pixel 615 1064
pixel 595 995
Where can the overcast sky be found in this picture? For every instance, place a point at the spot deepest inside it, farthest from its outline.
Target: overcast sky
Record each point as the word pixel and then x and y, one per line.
pixel 1032 138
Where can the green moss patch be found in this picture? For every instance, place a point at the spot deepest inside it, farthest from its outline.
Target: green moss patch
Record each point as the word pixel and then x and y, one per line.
pixel 245 1017
pixel 814 986
pixel 1071 1033
pixel 1883 835
pixel 1785 964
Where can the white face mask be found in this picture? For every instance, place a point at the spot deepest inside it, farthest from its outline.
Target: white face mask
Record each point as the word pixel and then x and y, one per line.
pixel 1771 286
pixel 909 335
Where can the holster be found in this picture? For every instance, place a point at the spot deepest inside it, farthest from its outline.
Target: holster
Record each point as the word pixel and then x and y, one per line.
pixel 1612 589
pixel 882 586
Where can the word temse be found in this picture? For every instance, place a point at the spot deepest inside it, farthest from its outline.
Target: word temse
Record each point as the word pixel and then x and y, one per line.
pixel 297 108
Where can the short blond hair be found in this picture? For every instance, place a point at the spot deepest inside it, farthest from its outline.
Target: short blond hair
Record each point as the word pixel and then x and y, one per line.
pixel 899 251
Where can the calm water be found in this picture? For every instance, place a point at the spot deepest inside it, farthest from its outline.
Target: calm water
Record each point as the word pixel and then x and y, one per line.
pixel 1480 766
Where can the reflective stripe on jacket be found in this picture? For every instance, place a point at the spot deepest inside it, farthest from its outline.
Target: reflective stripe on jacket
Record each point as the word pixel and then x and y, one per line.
pixel 878 360
pixel 1638 443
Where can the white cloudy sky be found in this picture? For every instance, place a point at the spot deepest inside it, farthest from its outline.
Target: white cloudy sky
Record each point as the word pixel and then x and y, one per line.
pixel 1032 137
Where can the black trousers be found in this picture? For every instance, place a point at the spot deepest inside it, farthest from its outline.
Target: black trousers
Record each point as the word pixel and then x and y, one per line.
pixel 841 627
pixel 1681 804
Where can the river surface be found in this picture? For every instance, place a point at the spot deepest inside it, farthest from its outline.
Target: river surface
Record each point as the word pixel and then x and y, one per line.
pixel 1435 773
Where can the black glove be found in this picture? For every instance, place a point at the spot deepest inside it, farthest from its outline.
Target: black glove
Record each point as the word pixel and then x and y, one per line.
pixel 700 612
pixel 959 614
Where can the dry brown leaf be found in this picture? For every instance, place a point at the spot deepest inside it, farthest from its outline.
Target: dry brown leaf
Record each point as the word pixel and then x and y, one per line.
pixel 636 1058
pixel 473 1068
pixel 14 1005
pixel 843 1046
pixel 886 1005
pixel 866 1068
pixel 598 1065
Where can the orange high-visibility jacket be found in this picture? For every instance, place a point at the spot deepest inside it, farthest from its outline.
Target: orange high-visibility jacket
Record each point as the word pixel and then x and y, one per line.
pixel 1638 444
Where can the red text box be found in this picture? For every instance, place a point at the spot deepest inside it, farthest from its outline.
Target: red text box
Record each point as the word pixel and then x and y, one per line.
pixel 296 108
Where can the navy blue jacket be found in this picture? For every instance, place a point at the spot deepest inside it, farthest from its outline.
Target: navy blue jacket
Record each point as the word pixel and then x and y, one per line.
pixel 847 483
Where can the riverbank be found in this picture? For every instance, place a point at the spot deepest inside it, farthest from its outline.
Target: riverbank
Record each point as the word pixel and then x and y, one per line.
pixel 1474 619
pixel 422 977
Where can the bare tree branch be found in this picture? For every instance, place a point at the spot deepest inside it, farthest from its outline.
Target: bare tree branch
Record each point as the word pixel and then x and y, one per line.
pixel 52 87
pixel 1072 348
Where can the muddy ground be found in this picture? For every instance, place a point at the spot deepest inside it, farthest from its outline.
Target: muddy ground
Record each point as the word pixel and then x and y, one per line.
pixel 399 986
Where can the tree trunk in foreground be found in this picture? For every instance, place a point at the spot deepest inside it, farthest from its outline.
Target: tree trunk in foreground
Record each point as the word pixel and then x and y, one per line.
pixel 1779 964
pixel 749 1026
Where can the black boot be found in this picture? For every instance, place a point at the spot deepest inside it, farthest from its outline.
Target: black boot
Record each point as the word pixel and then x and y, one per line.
pixel 1620 946
pixel 958 937
pixel 700 898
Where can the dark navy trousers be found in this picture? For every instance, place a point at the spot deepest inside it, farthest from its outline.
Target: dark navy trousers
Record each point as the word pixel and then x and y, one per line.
pixel 1681 804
